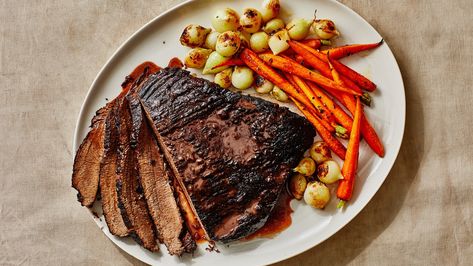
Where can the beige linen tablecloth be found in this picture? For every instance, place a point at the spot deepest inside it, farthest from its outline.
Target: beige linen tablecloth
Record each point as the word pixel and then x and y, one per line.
pixel 50 51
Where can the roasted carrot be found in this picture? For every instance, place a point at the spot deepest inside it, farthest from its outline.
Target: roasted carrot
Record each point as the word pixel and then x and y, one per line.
pixel 343 118
pixel 351 74
pixel 312 109
pixel 299 59
pixel 230 62
pixel 313 43
pixel 341 99
pixel 370 135
pixel 293 67
pixel 347 50
pixel 331 141
pixel 345 71
pixel 345 187
pixel 252 60
pixel 305 55
pixel 367 130
pixel 335 74
pixel 291 80
pixel 324 113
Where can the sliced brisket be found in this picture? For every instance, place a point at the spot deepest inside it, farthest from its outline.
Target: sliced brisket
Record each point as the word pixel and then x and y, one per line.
pixel 85 172
pixel 179 159
pixel 86 169
pixel 132 203
pixel 156 185
pixel 108 175
pixel 231 153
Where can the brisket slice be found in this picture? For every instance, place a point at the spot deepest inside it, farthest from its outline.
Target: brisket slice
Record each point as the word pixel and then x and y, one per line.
pixel 131 202
pixel 85 172
pixel 231 153
pixel 86 169
pixel 156 184
pixel 108 176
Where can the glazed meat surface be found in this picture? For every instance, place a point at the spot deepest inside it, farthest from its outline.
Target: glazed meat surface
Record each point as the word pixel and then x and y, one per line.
pixel 232 153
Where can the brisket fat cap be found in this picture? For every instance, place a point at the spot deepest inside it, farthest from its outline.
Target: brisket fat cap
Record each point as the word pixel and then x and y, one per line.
pixel 232 152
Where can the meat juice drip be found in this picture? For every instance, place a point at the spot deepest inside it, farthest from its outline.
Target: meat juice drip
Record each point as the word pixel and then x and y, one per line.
pixel 278 221
pixel 175 62
pixel 200 240
pixel 152 68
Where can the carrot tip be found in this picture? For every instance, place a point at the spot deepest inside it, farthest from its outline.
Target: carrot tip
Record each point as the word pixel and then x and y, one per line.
pixel 341 204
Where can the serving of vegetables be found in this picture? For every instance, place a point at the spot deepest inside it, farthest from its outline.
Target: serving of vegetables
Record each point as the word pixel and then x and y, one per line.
pixel 294 62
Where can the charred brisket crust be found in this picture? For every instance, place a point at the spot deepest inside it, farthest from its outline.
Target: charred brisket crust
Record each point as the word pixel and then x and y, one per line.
pixel 136 119
pixel 192 112
pixel 135 107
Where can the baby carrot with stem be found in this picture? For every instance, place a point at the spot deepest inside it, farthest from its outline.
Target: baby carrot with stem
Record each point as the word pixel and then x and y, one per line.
pixel 367 130
pixel 343 118
pixel 347 50
pixel 305 54
pixel 344 70
pixel 252 60
pixel 316 43
pixel 346 185
pixel 334 144
pixel 312 109
pixel 291 66
pixel 340 131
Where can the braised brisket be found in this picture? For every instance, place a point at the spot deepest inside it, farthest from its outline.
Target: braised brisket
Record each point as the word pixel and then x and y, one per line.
pixel 232 153
pixel 178 159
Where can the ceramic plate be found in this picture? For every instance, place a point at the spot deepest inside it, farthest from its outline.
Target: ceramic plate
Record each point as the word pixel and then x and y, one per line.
pixel 158 41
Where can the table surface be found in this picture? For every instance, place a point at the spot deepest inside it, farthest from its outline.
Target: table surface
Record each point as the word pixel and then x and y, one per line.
pixel 50 51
